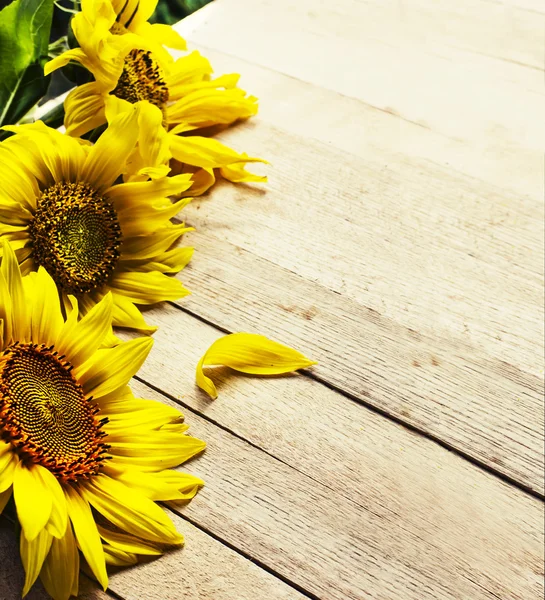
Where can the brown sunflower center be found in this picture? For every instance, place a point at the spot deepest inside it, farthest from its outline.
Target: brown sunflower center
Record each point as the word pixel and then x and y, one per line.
pixel 75 236
pixel 45 416
pixel 141 79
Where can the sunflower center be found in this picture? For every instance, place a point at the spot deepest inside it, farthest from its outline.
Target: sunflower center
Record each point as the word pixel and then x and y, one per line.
pixel 76 236
pixel 141 79
pixel 45 416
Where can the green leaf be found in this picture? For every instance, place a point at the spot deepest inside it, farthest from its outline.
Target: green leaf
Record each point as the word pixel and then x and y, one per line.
pixel 24 40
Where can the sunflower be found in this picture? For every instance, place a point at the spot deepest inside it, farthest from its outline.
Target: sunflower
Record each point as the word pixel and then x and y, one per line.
pixel 61 208
pixel 82 458
pixel 129 63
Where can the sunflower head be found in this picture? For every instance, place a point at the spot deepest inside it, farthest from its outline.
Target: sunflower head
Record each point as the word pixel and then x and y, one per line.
pixel 46 416
pixel 130 65
pixel 76 236
pixel 141 79
pixel 75 442
pixel 65 208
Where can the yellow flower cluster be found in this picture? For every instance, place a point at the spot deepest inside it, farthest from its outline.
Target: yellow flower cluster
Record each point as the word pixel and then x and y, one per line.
pixel 87 237
pixel 130 65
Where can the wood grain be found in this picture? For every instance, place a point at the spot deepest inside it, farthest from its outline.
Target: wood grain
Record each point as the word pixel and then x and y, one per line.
pixel 483 406
pixel 425 257
pixel 204 569
pixel 458 69
pixel 381 135
pixel 400 243
pixel 336 498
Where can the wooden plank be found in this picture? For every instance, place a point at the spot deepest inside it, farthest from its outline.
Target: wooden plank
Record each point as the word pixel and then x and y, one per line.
pixel 350 505
pixel 379 135
pixel 396 228
pixel 436 251
pixel 204 569
pixel 12 575
pixel 452 68
pixel 508 33
pixel 411 292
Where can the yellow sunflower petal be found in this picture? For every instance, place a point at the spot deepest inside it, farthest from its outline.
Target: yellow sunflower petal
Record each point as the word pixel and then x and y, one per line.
pixel 106 159
pixel 144 10
pixel 118 558
pixel 58 519
pixel 187 70
pixel 207 107
pixel 150 244
pixel 46 313
pixel 131 196
pixel 103 50
pixel 110 369
pixel 127 543
pixel 249 353
pixel 5 312
pixel 32 556
pixel 165 446
pixel 125 314
pixel 8 463
pixel 5 448
pixel 205 152
pixel 79 340
pixel 33 500
pixel 62 155
pixel 181 450
pixel 238 174
pixel 130 511
pixel 15 214
pixel 202 179
pixel 164 35
pixel 131 415
pixel 76 54
pixel 165 485
pixel 60 572
pixel 16 184
pixel 115 106
pixel 20 322
pixel 153 141
pixel 87 534
pixel 84 109
pixel 124 9
pixel 147 288
pixel 225 82
pixel 172 261
pixel 92 24
pixel 151 219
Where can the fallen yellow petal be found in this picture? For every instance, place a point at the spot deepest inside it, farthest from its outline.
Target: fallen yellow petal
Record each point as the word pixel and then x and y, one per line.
pixel 249 353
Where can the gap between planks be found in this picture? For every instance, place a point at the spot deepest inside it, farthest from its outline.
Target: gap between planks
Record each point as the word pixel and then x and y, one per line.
pixel 395 485
pixel 214 571
pixel 391 417
pixel 490 315
pixel 448 400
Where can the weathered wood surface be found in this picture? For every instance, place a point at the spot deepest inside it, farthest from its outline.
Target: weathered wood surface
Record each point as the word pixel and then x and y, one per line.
pixel 400 243
pixel 204 570
pixel 338 499
pixel 424 248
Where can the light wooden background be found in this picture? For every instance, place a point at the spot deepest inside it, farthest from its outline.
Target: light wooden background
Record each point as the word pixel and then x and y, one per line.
pixel 399 243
